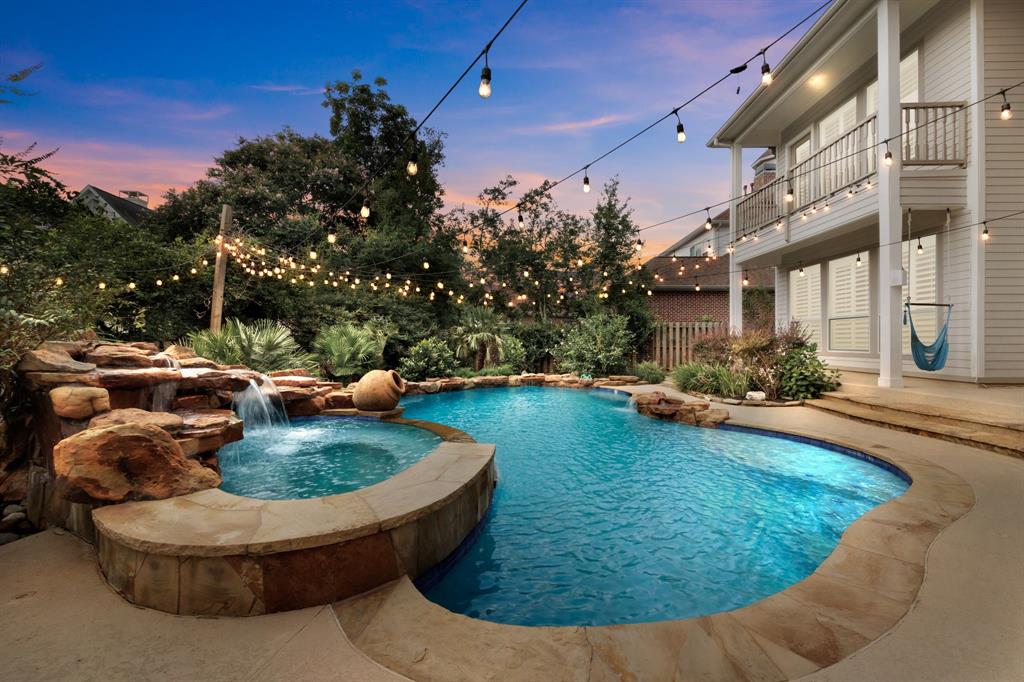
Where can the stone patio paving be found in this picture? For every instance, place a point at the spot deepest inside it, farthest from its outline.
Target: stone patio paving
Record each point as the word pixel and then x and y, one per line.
pixel 967 622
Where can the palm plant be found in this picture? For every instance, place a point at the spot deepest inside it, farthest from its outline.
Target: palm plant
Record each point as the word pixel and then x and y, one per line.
pixel 263 345
pixel 478 335
pixel 347 350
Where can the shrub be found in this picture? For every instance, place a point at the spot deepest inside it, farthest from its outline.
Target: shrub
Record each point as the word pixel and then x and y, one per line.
pixel 804 375
pixel 539 341
pixel 649 372
pixel 347 350
pixel 263 346
pixel 720 380
pixel 496 371
pixel 513 354
pixel 430 357
pixel 478 336
pixel 598 345
pixel 465 372
pixel 713 349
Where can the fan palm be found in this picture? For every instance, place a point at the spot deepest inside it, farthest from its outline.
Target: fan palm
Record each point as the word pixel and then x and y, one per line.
pixel 347 350
pixel 264 345
pixel 478 335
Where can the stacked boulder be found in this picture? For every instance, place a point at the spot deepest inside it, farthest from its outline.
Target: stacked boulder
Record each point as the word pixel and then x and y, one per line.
pixel 694 412
pixel 442 385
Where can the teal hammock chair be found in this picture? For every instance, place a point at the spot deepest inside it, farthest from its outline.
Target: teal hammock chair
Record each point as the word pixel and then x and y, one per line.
pixel 929 357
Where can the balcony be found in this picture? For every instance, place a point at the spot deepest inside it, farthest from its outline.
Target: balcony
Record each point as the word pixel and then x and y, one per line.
pixel 934 135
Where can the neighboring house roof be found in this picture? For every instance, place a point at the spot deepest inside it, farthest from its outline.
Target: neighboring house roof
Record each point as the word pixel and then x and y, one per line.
pixel 719 221
pixel 712 274
pixel 113 205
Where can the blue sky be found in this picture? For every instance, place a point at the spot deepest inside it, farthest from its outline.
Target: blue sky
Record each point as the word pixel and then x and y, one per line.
pixel 144 95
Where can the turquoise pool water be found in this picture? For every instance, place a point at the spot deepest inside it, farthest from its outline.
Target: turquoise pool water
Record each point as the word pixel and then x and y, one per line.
pixel 603 516
pixel 317 456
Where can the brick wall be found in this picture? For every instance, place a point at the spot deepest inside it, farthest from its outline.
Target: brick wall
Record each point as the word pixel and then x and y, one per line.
pixel 687 306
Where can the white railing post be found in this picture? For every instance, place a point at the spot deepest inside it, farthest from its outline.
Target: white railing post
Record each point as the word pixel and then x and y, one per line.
pixel 735 278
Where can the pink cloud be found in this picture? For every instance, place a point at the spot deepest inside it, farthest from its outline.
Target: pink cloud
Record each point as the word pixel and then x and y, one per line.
pixel 576 126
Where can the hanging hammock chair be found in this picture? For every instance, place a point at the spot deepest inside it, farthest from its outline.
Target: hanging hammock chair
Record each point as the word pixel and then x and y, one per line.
pixel 929 357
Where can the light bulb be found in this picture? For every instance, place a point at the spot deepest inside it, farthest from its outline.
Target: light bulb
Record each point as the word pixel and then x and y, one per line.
pixel 586 183
pixel 984 234
pixel 639 245
pixel 312 254
pixel 465 246
pixel 859 262
pixel 707 224
pixel 680 132
pixel 766 74
pixel 888 157
pixel 412 168
pixel 4 270
pixel 332 237
pixel 920 248
pixel 365 210
pixel 746 279
pixel 59 281
pixel 440 285
pixel 1005 112
pixel 802 271
pixel 159 282
pixel 520 221
pixel 131 285
pixel 426 265
pixel 696 286
pixel 789 195
pixel 485 82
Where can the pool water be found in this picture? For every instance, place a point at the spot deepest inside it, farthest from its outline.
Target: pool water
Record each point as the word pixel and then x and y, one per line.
pixel 604 516
pixel 317 456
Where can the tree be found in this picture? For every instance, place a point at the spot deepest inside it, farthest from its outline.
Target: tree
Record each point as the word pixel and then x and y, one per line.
pixel 478 334
pixel 9 85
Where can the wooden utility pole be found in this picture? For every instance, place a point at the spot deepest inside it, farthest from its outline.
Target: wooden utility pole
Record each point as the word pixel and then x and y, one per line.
pixel 219 270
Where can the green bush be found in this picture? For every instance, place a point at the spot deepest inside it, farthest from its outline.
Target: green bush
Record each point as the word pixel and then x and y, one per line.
pixel 465 372
pixel 263 346
pixel 712 349
pixel 513 354
pixel 496 371
pixel 649 372
pixel 430 357
pixel 347 350
pixel 539 341
pixel 804 375
pixel 598 345
pixel 720 380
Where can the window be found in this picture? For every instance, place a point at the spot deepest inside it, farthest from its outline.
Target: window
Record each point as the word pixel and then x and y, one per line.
pixel 849 303
pixel 805 300
pixel 924 288
pixel 799 152
pixel 838 123
pixel 909 84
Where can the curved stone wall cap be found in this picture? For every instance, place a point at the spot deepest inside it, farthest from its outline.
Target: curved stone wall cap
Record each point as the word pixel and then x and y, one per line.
pixel 217 523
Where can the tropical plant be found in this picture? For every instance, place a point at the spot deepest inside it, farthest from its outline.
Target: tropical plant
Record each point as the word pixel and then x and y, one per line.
pixel 263 346
pixel 598 345
pixel 649 372
pixel 431 357
pixel 347 350
pixel 514 354
pixel 478 336
pixel 804 375
pixel 496 371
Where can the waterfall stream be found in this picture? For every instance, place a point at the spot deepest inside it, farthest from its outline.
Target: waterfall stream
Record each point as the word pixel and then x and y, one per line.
pixel 164 393
pixel 260 406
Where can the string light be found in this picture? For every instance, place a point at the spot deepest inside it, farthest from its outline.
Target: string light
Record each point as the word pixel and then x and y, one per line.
pixel 920 248
pixel 680 129
pixel 465 246
pixel 859 262
pixel 802 269
pixel 1005 111
pixel 746 278
pixel 365 210
pixel 312 254
pixel 426 265
pixel 586 180
pixel 984 232
pixel 159 282
pixel 4 270
pixel 332 236
pixel 887 157
pixel 520 220
pixel 766 71
pixel 485 77
pixel 412 167
pixel 131 286
pixel 59 281
pixel 696 284
pixel 789 194
pixel 639 245
pixel 707 221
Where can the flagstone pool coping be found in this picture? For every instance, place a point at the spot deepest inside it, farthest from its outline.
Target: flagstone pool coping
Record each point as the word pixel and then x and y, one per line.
pixel 861 591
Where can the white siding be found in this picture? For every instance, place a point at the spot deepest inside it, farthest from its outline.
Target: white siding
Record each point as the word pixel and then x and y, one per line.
pixel 1004 192
pixel 945 52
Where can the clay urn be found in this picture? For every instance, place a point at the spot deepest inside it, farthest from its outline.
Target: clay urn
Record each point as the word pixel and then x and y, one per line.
pixel 378 390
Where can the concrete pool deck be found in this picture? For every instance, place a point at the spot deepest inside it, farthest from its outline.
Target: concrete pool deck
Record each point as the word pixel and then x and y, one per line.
pixel 966 621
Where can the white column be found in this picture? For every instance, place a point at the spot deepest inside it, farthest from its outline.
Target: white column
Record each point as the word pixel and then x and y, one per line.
pixel 781 298
pixel 976 204
pixel 890 213
pixel 735 275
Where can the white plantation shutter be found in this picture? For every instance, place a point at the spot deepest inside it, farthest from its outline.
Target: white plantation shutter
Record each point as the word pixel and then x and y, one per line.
pixel 805 300
pixel 838 123
pixel 924 288
pixel 849 304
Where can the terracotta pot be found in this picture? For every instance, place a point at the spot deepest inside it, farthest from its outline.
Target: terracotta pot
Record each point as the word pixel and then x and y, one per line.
pixel 378 390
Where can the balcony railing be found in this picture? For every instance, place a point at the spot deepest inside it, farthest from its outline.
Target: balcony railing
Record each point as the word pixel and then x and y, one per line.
pixel 934 134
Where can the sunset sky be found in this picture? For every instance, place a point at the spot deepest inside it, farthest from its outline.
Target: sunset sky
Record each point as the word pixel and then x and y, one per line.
pixel 144 95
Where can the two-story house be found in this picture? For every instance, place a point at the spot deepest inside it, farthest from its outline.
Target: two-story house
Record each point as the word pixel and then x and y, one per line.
pixel 878 138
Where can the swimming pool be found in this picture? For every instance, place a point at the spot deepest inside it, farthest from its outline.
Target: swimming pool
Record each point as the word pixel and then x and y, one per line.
pixel 603 516
pixel 317 456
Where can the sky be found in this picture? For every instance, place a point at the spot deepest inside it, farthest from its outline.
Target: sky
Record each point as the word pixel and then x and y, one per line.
pixel 143 96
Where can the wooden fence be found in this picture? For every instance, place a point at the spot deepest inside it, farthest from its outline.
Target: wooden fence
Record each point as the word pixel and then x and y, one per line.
pixel 672 343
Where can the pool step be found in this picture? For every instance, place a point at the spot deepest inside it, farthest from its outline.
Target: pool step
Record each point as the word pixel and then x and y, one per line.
pixel 966 427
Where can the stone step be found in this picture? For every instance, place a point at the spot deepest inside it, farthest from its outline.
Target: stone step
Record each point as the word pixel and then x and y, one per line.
pixel 997 439
pixel 958 411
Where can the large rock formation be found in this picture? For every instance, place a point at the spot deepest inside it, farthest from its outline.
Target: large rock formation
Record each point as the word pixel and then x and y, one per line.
pixel 127 462
pixel 695 412
pixel 79 402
